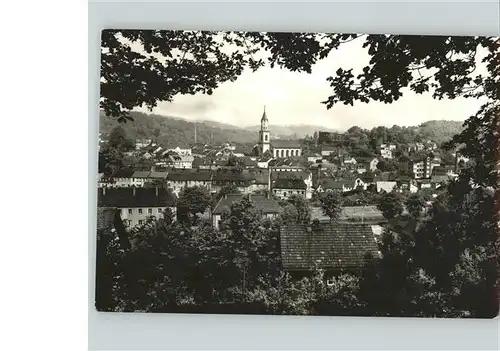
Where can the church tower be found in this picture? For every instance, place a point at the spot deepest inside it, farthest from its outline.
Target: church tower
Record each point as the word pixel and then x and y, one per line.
pixel 264 137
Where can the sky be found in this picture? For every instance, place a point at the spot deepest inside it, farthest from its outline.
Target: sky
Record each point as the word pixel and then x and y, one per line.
pixel 295 98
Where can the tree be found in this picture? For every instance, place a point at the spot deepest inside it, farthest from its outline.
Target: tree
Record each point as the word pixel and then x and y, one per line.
pixel 170 63
pixel 414 204
pixel 331 204
pixel 110 161
pixel 302 208
pixel 118 139
pixel 390 205
pixel 192 201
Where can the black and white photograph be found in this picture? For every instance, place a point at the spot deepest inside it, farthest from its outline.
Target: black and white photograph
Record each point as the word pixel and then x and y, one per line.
pixel 313 174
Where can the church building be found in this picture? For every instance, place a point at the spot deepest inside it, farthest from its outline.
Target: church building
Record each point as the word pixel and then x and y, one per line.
pixel 277 148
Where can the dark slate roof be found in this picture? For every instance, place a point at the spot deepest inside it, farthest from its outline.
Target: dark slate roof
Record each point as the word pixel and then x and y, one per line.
pixel 384 177
pixel 124 173
pixel 329 246
pixel 230 175
pixel 439 171
pixel 261 176
pixel 160 175
pixel 290 175
pixel 265 158
pixel 330 183
pixel 404 178
pixel 283 144
pixel 184 176
pixel 248 162
pixel 284 183
pixel 261 203
pixel 141 174
pixel 440 179
pixel 365 159
pixel 135 197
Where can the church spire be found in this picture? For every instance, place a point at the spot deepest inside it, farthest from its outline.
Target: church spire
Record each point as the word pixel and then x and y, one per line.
pixel 264 116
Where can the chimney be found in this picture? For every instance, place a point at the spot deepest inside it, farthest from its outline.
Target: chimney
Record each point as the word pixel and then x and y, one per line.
pixel 133 191
pixel 104 190
pixel 156 188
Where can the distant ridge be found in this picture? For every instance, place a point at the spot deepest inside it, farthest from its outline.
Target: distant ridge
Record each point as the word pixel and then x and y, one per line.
pixel 173 129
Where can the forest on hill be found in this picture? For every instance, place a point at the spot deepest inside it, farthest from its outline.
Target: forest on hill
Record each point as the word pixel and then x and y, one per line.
pixel 440 131
pixel 167 129
pixel 175 130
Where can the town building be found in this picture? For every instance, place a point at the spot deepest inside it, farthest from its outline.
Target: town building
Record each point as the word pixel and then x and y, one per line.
pixel 370 163
pixel 181 150
pixel 349 160
pixel 182 161
pixel 136 205
pixel 341 185
pixel 278 148
pixel 263 161
pixel 386 153
pixel 420 166
pixel 177 181
pixel 327 150
pixel 294 173
pixel 286 187
pixel 386 186
pixel 265 205
pixel 335 248
pixel 314 158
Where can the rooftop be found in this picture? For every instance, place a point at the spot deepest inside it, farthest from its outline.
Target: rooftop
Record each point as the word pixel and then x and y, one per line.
pixel 261 203
pixel 135 197
pixel 183 176
pixel 342 246
pixel 284 183
pixel 283 144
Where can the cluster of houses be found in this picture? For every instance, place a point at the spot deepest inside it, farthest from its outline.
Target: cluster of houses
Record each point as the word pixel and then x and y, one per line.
pixel 279 167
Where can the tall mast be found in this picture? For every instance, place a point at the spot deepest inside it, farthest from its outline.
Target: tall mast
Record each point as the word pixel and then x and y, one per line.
pixel 195 132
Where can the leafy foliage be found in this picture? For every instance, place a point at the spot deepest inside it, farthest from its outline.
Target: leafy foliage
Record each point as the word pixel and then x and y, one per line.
pixel 302 208
pixel 331 204
pixel 193 201
pixel 390 204
pixel 414 204
pixel 445 266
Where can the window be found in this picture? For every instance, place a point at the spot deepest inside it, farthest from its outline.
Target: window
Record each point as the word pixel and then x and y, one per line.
pixel 140 221
pixel 150 211
pixel 139 211
pixel 129 211
pixel 159 210
pixel 265 137
pixel 330 282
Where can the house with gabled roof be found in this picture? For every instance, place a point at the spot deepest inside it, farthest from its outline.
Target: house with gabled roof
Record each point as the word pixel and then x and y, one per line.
pixel 178 180
pixel 136 205
pixel 294 173
pixel 286 187
pixel 370 163
pixel 336 248
pixel 267 206
pixel 341 185
pixel 264 160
